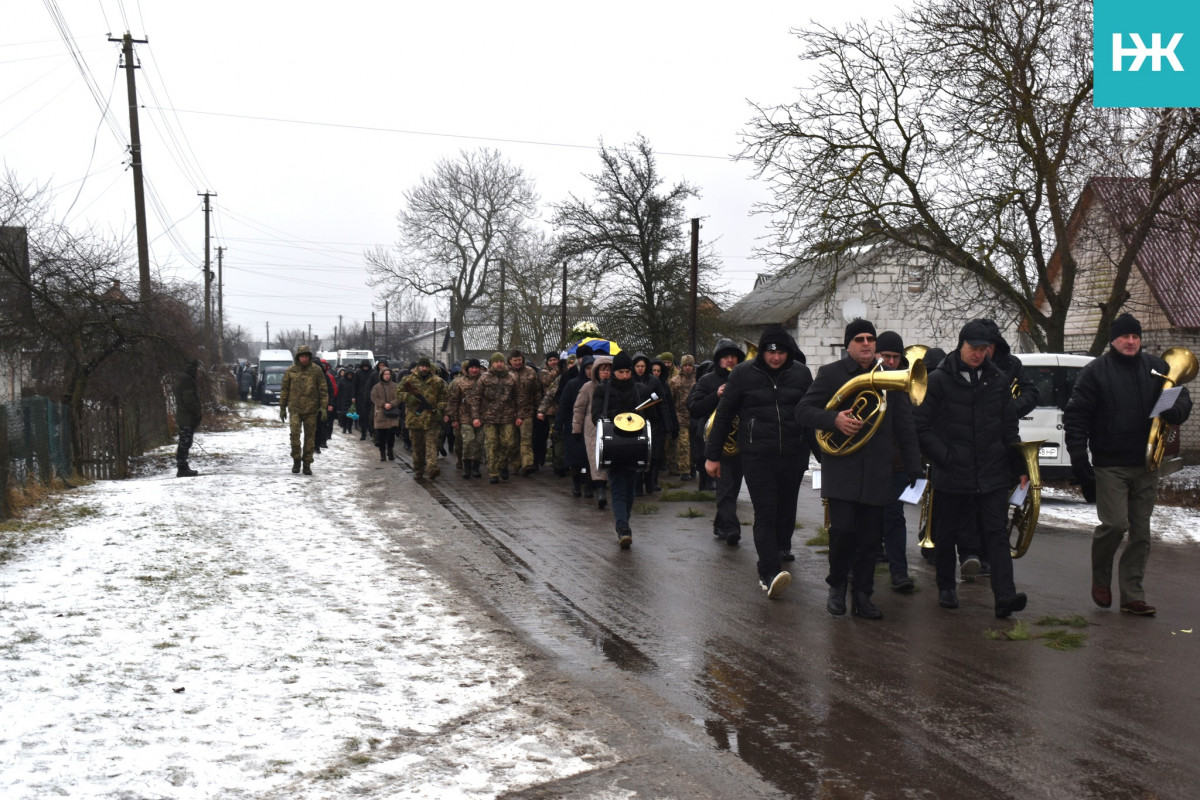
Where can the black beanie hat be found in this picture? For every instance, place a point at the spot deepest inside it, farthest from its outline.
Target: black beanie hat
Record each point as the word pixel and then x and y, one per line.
pixel 855 328
pixel 622 361
pixel 473 362
pixel 776 338
pixel 975 333
pixel 889 342
pixel 1123 326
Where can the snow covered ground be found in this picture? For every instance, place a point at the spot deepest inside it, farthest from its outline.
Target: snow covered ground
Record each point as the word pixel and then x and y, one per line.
pixel 1169 523
pixel 253 633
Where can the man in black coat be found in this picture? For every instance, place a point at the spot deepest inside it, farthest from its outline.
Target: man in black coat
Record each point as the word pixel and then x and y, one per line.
pixel 621 394
pixel 701 403
pixel 857 485
pixel 763 394
pixel 967 431
pixel 1109 411
pixel 362 397
pixel 188 413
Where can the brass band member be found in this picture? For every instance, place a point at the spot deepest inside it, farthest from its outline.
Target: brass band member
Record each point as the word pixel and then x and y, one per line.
pixel 1109 412
pixel 858 485
pixel 702 402
pixel 966 430
pixel 763 394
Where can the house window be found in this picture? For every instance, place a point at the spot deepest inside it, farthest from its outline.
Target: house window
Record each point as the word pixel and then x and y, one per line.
pixel 916 278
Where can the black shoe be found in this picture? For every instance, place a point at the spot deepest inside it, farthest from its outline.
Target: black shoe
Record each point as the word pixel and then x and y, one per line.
pixel 466 472
pixel 774 586
pixel 985 569
pixel 733 537
pixel 970 567
pixel 836 604
pixel 494 480
pixel 1009 606
pixel 528 471
pixel 719 534
pixel 902 585
pixel 588 494
pixel 391 455
pixel 382 456
pixel 861 606
pixel 624 536
pixel 296 466
pixel 601 498
pixel 504 474
pixel 475 470
pixel 947 598
pixel 186 472
pixel 787 555
pixel 307 469
pixel 576 490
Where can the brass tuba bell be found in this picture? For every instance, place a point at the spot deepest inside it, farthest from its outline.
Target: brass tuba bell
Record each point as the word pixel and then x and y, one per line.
pixel 870 403
pixel 1025 516
pixel 1182 367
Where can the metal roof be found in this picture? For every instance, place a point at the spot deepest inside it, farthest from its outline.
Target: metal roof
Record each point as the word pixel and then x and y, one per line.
pixel 1169 259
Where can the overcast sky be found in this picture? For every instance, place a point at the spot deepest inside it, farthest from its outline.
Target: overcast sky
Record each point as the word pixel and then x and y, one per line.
pixel 308 120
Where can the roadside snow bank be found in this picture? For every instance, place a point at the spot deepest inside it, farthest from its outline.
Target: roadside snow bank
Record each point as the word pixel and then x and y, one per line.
pixel 249 632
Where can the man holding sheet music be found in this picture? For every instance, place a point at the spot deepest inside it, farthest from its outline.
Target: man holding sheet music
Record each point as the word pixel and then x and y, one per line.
pixel 1109 413
pixel 966 432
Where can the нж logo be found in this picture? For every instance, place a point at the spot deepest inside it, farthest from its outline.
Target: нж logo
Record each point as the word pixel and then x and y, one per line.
pixel 1139 52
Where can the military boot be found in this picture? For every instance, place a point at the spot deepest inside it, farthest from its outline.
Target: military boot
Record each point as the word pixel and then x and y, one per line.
pixel 185 471
pixel 296 466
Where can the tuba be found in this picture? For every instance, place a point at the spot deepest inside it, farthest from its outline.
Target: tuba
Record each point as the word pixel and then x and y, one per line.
pixel 730 448
pixel 925 526
pixel 870 403
pixel 1182 367
pixel 1025 516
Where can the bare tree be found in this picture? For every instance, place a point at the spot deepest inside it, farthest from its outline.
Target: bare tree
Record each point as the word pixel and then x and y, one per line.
pixel 631 238
pixel 454 222
pixel 964 133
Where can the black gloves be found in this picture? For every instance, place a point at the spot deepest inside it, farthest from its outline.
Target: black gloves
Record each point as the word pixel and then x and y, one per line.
pixel 1086 477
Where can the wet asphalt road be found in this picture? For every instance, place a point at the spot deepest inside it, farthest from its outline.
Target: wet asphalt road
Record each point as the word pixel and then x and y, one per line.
pixel 920 704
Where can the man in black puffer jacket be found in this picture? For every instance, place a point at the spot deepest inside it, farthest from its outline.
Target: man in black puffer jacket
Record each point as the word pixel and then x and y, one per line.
pixel 763 394
pixel 966 430
pixel 701 403
pixel 1109 411
pixel 858 486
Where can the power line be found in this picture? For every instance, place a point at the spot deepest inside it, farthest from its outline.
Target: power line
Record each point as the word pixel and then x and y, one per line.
pixel 422 133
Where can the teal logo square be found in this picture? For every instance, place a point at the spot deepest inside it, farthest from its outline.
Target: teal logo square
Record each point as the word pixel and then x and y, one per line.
pixel 1146 54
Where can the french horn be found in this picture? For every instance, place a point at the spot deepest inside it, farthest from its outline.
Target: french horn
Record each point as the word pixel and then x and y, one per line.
pixel 1182 367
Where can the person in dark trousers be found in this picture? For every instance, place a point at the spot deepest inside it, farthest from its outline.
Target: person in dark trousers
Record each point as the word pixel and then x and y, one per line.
pixel 362 398
pixel 345 399
pixel 890 348
pixel 763 395
pixel 574 447
pixel 858 484
pixel 1109 415
pixel 660 423
pixel 967 432
pixel 618 395
pixel 702 402
pixel 188 414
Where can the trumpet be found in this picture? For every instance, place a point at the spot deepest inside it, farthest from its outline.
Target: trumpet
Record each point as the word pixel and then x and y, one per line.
pixel 1025 516
pixel 870 403
pixel 1182 367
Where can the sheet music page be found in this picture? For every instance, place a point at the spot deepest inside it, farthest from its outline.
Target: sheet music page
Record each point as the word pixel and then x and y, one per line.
pixel 1165 400
pixel 1018 496
pixel 912 494
pixel 816 480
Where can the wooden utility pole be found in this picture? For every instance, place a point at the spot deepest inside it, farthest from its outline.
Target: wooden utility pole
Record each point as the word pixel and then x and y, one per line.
pixel 501 346
pixel 208 275
pixel 135 158
pixel 695 280
pixel 220 306
pixel 563 340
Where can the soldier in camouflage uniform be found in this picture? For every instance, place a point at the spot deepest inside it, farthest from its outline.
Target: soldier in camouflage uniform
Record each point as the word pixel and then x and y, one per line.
pixel 541 427
pixel 529 394
pixel 462 412
pixel 305 395
pixel 424 396
pixel 681 384
pixel 497 415
pixel 552 381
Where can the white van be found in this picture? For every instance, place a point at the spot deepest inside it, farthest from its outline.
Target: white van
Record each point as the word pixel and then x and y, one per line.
pixel 352 358
pixel 271 366
pixel 1054 374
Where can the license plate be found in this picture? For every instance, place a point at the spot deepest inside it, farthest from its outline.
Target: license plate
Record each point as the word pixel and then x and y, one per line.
pixel 1049 451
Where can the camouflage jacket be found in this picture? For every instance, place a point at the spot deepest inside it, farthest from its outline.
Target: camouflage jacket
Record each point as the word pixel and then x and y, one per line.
pixel 463 404
pixel 424 400
pixel 497 396
pixel 529 391
pixel 304 389
pixel 549 404
pixel 680 386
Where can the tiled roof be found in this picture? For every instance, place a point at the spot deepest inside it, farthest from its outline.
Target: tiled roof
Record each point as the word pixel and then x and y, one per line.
pixel 1170 257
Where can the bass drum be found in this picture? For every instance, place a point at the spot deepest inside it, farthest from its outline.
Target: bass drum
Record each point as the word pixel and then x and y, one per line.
pixel 622 449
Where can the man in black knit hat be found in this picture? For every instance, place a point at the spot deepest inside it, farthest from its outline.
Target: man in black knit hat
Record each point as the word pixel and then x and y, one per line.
pixel 857 485
pixel 1109 414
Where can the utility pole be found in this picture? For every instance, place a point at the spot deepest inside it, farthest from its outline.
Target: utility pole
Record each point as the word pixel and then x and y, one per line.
pixel 135 159
pixel 695 279
pixel 208 275
pixel 501 347
pixel 337 336
pixel 372 331
pixel 220 306
pixel 564 305
pixel 386 341
pixel 268 347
